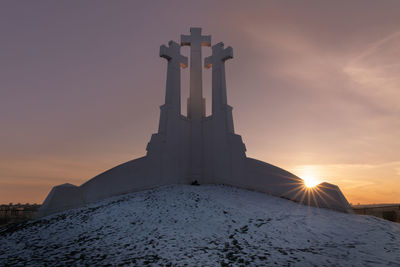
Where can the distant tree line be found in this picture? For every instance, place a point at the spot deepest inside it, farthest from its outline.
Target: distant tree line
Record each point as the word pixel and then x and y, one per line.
pixel 13 213
pixel 387 212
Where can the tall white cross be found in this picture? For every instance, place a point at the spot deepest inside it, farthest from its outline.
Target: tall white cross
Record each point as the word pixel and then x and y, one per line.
pixel 217 61
pixel 172 104
pixel 175 61
pixel 196 103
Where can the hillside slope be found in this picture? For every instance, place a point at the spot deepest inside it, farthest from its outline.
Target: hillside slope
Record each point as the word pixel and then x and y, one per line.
pixel 201 225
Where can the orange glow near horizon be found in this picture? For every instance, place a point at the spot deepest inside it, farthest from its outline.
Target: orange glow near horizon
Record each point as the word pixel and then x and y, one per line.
pixel 361 184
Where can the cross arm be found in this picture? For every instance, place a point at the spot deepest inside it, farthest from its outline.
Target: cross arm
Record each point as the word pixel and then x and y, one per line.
pixel 173 53
pixel 218 54
pixel 206 40
pixel 222 53
pixel 227 53
pixel 208 61
pixel 195 38
pixel 164 52
pixel 183 61
pixel 185 40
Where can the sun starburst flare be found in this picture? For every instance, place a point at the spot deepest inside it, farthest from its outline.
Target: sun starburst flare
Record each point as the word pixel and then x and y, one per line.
pixel 310 181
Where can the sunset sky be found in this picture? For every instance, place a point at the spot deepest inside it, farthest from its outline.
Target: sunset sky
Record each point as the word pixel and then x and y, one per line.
pixel 315 87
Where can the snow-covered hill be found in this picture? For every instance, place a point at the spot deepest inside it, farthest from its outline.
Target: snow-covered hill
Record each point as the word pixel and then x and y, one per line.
pixel 201 225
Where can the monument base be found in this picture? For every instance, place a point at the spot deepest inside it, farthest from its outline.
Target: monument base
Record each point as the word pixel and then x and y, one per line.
pixel 137 175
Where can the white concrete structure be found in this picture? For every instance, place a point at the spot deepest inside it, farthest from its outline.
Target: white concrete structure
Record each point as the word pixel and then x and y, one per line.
pixel 196 105
pixel 196 147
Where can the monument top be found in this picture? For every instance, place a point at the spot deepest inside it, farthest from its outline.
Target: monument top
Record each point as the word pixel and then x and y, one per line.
pixel 218 54
pixel 195 39
pixel 173 54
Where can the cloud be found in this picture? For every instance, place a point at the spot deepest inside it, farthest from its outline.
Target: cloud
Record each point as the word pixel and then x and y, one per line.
pixel 376 70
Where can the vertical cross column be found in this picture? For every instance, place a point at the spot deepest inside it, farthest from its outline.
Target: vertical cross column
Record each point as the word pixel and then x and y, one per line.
pixel 219 98
pixel 172 106
pixel 195 40
pixel 196 103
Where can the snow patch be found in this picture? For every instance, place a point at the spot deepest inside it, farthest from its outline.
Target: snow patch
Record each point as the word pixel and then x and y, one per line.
pixel 201 225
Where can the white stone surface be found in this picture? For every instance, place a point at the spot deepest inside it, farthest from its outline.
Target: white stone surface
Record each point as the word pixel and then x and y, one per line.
pixel 205 149
pixel 196 102
pixel 62 197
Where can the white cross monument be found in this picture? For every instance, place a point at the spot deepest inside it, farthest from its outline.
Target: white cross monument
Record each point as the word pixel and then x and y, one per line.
pixel 195 147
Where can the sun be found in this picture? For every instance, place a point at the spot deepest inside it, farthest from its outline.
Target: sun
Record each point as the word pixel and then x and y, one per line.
pixel 310 181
